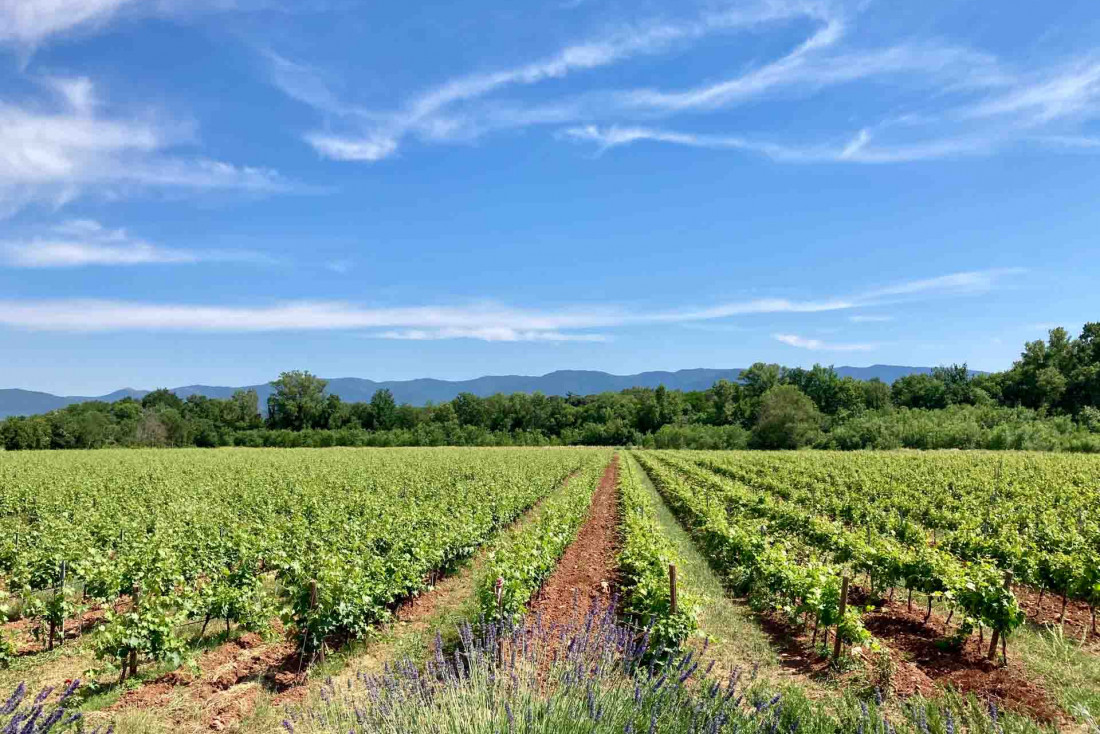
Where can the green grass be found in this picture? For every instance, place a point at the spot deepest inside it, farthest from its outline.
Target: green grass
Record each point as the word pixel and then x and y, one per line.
pixel 1071 673
pixel 736 638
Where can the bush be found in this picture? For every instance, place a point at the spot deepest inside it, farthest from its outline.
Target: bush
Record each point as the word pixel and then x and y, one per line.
pixel 787 419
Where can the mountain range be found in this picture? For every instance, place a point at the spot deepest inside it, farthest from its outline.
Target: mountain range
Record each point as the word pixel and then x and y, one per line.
pixel 423 390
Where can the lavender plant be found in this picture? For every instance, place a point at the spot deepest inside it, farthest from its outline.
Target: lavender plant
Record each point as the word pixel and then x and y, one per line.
pixel 44 713
pixel 595 676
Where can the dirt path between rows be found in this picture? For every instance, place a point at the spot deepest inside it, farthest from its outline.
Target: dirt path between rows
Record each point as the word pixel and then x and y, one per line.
pixel 586 575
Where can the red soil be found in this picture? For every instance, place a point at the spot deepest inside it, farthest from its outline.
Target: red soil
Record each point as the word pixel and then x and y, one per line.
pixel 1078 620
pixel 586 574
pixel 923 662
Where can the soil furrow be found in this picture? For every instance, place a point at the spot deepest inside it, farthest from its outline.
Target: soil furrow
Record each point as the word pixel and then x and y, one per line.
pixel 586 574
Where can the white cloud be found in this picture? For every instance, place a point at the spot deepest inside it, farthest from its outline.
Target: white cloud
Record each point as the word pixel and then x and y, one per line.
pixel 819 346
pixel 869 319
pixel 809 68
pixel 84 242
pixel 27 22
pixel 373 148
pixel 77 92
pixel 857 150
pixel 441 113
pixel 58 156
pixel 486 321
pixel 490 334
pixel 1064 92
pixel 946 100
pixel 973 281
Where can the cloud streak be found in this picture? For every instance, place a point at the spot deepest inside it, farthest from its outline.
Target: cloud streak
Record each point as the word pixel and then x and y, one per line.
pixel 856 150
pixel 486 321
pixel 817 345
pixel 84 243
pixel 958 101
pixel 28 24
pixel 443 113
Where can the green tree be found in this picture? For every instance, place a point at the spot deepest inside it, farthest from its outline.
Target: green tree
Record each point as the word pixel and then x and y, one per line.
pixel 162 398
pixel 241 411
pixel 787 419
pixel 22 434
pixel 919 391
pixel 470 409
pixel 876 394
pixel 384 409
pixel 760 378
pixel 298 401
pixel 726 403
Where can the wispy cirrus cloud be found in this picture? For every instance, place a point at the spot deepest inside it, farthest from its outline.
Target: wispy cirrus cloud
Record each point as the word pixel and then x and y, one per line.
pixel 869 318
pixel 970 281
pixel 958 100
pixel 1047 95
pixel 817 345
pixel 856 150
pixel 490 334
pixel 441 113
pixel 61 154
pixel 30 23
pixel 484 321
pixel 84 242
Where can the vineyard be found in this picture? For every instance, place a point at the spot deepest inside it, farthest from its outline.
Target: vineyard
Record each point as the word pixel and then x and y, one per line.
pixel 957 528
pixel 334 539
pixel 141 560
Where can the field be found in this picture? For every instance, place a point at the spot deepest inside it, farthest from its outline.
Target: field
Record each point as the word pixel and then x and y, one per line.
pixel 224 590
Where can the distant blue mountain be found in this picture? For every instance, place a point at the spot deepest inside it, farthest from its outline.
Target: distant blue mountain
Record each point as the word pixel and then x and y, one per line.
pixel 424 390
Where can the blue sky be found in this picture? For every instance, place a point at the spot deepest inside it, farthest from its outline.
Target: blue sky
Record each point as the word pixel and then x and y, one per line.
pixel 216 190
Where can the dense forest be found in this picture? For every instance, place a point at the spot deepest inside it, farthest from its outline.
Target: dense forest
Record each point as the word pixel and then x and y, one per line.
pixel 1048 400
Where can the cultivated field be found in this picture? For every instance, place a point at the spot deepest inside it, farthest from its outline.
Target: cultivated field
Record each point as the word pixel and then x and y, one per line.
pixel 208 590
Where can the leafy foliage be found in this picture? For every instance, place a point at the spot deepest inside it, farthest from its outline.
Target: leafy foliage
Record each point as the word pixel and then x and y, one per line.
pixel 644 567
pixel 521 562
pixel 230 535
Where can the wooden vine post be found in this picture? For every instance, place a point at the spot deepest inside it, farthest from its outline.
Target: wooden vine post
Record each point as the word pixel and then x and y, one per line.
pixel 672 587
pixel 64 568
pixel 996 636
pixel 313 605
pixel 843 608
pixel 132 663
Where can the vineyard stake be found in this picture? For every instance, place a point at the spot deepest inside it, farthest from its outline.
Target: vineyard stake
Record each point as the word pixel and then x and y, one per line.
pixel 313 605
pixel 672 587
pixel 843 608
pixel 64 568
pixel 133 651
pixel 996 632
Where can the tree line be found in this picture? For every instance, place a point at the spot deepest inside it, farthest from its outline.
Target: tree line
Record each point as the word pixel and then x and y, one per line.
pixel 1048 400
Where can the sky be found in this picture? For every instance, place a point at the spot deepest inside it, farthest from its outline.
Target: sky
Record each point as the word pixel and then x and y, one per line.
pixel 214 191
